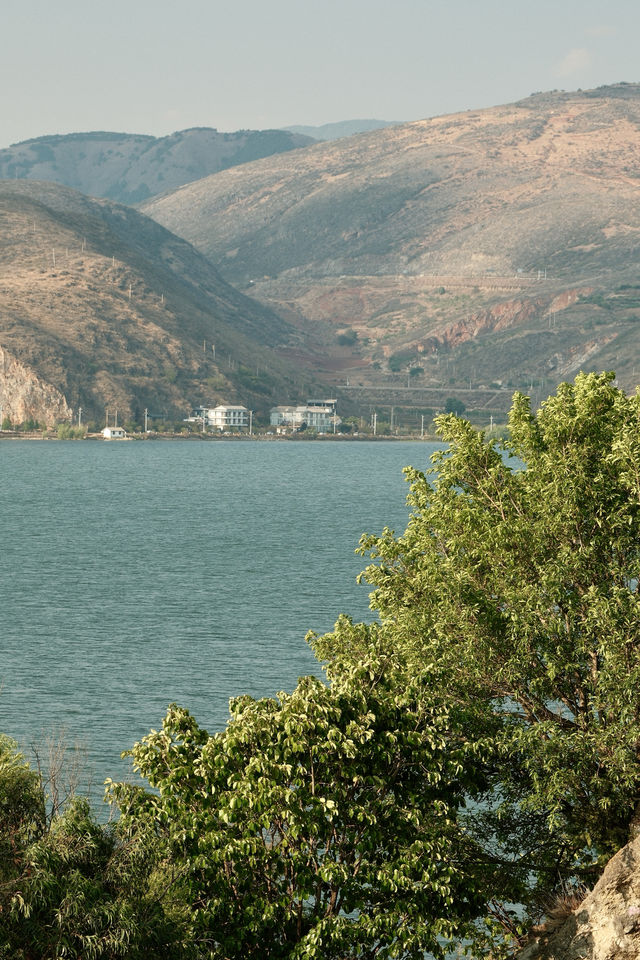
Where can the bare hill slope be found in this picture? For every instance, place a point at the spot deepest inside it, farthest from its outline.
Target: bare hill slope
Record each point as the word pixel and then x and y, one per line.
pixel 130 168
pixel 496 245
pixel 101 307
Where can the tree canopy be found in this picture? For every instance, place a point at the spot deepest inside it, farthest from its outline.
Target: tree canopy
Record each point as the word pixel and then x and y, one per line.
pixel 473 750
pixel 518 576
pixel 322 823
pixel 71 887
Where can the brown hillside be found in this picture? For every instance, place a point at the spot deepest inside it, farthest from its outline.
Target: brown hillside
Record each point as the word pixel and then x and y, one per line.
pixel 493 246
pixel 101 307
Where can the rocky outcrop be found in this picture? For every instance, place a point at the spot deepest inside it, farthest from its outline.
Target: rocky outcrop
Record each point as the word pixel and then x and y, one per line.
pixel 24 396
pixel 606 925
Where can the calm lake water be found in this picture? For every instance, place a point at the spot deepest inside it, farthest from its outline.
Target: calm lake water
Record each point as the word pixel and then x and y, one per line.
pixel 136 574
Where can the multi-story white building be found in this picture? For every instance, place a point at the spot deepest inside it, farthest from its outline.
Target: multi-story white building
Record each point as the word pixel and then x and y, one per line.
pixel 282 416
pixel 225 416
pixel 319 415
pixel 228 417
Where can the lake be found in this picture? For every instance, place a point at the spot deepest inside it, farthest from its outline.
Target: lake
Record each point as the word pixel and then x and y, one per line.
pixel 136 574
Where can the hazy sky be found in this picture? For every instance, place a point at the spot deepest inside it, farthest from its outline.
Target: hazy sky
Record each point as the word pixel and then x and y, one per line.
pixel 153 66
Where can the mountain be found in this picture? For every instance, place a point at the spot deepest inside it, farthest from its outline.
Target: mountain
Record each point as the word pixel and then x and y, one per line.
pixel 100 307
pixel 130 168
pixel 489 249
pixel 343 128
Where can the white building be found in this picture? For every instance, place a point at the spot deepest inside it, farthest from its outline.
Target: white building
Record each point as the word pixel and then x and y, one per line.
pixel 318 415
pixel 228 417
pixel 223 417
pixel 282 416
pixel 113 433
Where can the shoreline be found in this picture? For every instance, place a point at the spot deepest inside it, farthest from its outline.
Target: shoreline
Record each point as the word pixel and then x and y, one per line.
pixel 205 438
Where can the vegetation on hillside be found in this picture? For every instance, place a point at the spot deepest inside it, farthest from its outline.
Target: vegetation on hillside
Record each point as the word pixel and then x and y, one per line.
pixel 111 311
pixel 472 749
pixel 466 240
pixel 130 168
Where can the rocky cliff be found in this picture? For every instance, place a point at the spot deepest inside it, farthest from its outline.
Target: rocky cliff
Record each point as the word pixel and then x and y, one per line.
pixel 100 307
pixel 25 396
pixel 606 925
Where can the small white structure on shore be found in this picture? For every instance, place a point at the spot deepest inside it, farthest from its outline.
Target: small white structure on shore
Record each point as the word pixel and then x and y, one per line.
pixel 114 433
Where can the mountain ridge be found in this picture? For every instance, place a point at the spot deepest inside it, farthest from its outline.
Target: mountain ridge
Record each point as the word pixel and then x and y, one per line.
pixel 129 168
pixel 408 233
pixel 108 309
pixel 340 128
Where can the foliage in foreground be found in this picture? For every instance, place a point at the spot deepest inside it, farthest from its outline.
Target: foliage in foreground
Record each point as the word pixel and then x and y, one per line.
pixel 320 824
pixel 522 586
pixel 475 748
pixel 70 887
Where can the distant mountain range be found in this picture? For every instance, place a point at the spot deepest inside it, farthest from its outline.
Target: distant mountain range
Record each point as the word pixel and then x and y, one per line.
pixel 464 255
pixel 130 168
pixel 496 246
pixel 344 128
pixel 101 307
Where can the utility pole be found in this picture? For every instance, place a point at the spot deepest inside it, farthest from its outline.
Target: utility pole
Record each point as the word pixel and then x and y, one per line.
pixel 146 414
pixel 422 428
pixel 250 422
pixel 79 416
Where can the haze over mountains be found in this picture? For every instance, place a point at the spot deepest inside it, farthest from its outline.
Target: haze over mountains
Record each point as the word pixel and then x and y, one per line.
pixel 344 128
pixel 492 246
pixel 465 255
pixel 130 167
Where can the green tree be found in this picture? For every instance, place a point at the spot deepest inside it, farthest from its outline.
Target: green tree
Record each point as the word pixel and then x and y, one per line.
pixel 348 337
pixel 22 815
pixel 320 824
pixel 72 888
pixel 518 576
pixel 455 406
pixel 66 431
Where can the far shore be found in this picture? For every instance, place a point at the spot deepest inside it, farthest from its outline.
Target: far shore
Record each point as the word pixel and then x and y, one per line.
pixel 205 437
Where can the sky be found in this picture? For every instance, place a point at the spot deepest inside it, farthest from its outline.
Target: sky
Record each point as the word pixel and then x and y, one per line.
pixel 154 67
